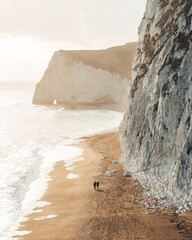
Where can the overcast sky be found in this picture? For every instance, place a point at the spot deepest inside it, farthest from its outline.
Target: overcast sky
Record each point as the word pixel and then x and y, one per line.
pixel 31 30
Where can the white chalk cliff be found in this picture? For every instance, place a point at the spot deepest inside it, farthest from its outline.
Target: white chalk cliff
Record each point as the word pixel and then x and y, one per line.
pixel 87 77
pixel 156 132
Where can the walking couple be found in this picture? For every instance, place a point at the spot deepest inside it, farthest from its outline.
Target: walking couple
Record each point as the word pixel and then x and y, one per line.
pixel 96 185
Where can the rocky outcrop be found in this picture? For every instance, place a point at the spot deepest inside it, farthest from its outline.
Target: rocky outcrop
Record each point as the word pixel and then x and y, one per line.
pixel 85 77
pixel 156 132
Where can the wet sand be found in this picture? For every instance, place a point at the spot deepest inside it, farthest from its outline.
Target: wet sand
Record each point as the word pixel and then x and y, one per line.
pixel 77 211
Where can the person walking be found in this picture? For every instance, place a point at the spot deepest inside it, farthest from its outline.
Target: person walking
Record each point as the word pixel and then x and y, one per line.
pixel 97 184
pixel 94 184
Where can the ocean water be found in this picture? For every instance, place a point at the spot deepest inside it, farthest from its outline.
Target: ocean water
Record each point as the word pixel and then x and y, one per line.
pixel 30 134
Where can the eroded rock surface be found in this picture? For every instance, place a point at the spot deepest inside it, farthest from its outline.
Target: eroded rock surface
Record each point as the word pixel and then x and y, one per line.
pixel 87 77
pixel 156 132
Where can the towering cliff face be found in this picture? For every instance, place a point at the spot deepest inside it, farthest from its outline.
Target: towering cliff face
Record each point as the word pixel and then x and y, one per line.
pixel 156 132
pixel 87 77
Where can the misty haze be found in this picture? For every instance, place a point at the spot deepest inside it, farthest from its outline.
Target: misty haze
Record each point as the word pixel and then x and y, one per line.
pixel 96 131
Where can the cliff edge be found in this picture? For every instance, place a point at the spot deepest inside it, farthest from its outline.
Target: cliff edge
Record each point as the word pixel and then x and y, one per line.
pixel 87 77
pixel 156 132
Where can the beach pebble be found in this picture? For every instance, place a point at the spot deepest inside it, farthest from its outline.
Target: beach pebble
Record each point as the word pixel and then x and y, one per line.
pixel 104 157
pixel 152 207
pixel 115 161
pixel 126 174
pixel 108 174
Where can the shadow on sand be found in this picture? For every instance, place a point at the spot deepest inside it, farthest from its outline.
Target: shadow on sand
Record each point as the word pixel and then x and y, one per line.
pixel 99 190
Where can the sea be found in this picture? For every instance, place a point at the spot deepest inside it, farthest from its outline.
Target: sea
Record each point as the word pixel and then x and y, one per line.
pixel 32 139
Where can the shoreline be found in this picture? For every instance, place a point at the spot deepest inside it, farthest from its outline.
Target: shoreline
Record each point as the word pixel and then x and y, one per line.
pixel 34 194
pixel 76 211
pixel 38 187
pixel 43 213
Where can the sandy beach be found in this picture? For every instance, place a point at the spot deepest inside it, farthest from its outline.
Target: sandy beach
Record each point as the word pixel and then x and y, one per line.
pixel 77 211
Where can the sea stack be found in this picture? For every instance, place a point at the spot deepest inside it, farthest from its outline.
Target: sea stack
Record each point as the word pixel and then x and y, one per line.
pixel 156 132
pixel 87 77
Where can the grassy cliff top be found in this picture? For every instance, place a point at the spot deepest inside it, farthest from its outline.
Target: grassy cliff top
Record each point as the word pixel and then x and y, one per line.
pixel 115 59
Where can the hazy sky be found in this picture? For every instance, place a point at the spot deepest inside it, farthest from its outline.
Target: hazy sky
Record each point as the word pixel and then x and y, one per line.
pixel 31 30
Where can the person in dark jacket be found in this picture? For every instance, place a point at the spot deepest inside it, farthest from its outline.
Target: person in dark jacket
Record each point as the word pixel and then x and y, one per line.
pixel 97 184
pixel 94 184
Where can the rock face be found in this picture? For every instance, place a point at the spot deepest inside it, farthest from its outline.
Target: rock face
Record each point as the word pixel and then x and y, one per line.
pixel 97 77
pixel 156 132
